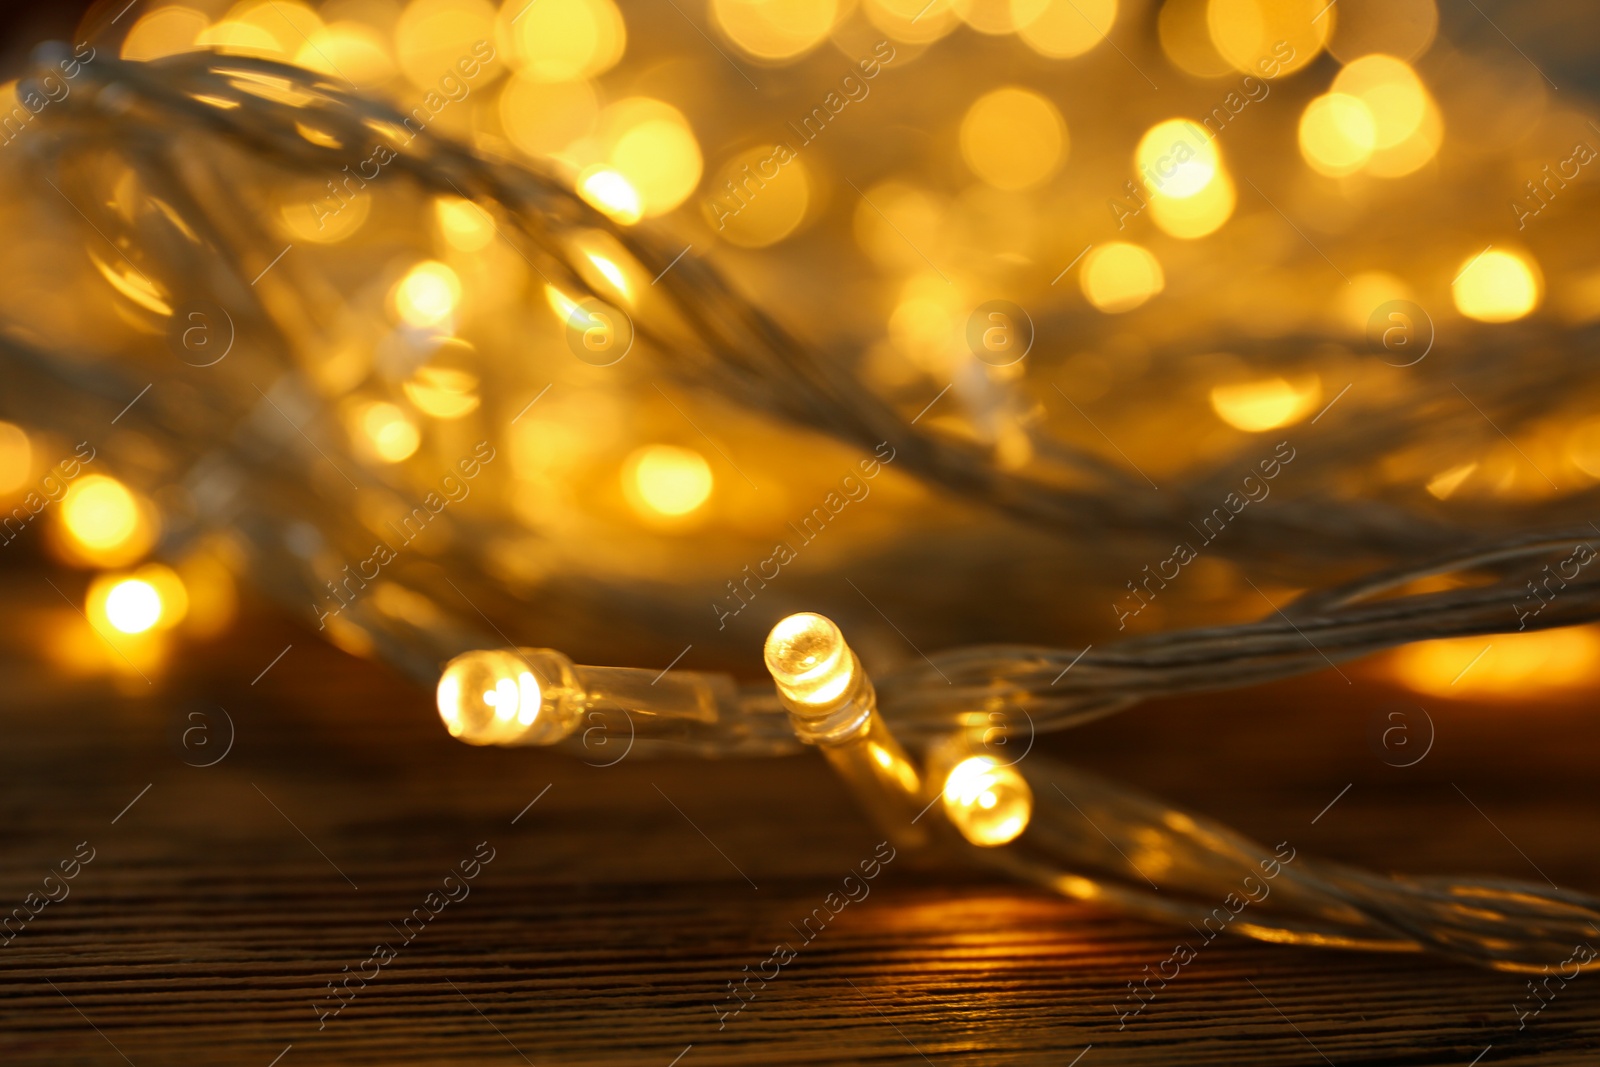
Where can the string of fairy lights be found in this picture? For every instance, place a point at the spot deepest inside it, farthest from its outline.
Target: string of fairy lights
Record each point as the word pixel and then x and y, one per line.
pixel 367 284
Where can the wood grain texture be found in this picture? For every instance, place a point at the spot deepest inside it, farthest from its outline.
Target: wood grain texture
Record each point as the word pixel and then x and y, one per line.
pixel 618 907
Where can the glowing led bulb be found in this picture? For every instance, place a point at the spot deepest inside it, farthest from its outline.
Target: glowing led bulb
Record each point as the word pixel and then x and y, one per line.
pixel 537 696
pixel 832 704
pixel 988 802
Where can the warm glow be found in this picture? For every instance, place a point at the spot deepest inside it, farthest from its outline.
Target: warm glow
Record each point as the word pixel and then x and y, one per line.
pixel 665 480
pixel 16 458
pixel 775 29
pixel 542 118
pixel 565 40
pixel 757 199
pixel 1067 28
pixel 433 36
pixel 612 193
pixel 1247 32
pixel 1509 666
pixel 443 392
pixel 1392 92
pixel 1118 277
pixel 1198 215
pixel 103 521
pixel 809 660
pixel 1267 403
pixel 493 696
pixel 1583 447
pixel 464 225
pixel 1013 138
pixel 1177 159
pixel 654 149
pixel 988 803
pixel 1337 134
pixel 166 31
pixel 347 49
pixel 390 435
pixel 1497 286
pixel 153 597
pixel 1446 482
pixel 428 294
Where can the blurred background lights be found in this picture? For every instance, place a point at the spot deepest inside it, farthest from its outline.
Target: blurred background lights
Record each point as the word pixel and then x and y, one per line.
pixel 1266 404
pixel 1403 28
pixel 166 31
pixel 1177 159
pixel 1062 29
pixel 152 597
pixel 1497 286
pixel 653 149
pixel 775 29
pixel 561 40
pixel 666 480
pixel 104 523
pixel 995 17
pixel 463 224
pixel 1013 138
pixel 606 189
pixel 1286 34
pixel 1504 666
pixel 1118 277
pixel 432 36
pixel 388 434
pixel 16 458
pixel 427 295
pixel 542 118
pixel 1337 134
pixel 754 201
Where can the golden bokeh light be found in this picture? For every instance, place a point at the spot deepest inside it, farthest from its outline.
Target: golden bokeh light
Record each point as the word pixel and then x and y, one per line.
pixel 1270 38
pixel 1497 286
pixel 563 40
pixel 432 37
pixel 911 21
pixel 666 481
pixel 653 148
pixel 104 523
pixel 541 117
pixel 1177 158
pixel 1507 666
pixel 151 598
pixel 758 198
pixel 1403 28
pixel 1013 138
pixel 443 392
pixel 997 17
pixel 1186 39
pixel 16 458
pixel 385 432
pixel 1119 276
pixel 463 224
pixel 1583 447
pixel 1196 216
pixel 606 189
pixel 989 803
pixel 1266 403
pixel 428 295
pixel 775 30
pixel 1063 29
pixel 348 50
pixel 166 31
pixel 1337 134
pixel 1394 96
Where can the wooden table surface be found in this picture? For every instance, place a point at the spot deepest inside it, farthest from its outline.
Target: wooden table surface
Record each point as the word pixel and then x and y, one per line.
pixel 221 901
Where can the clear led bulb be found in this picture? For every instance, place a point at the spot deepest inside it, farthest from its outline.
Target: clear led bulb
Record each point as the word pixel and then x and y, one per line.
pixel 537 696
pixel 988 802
pixel 832 704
